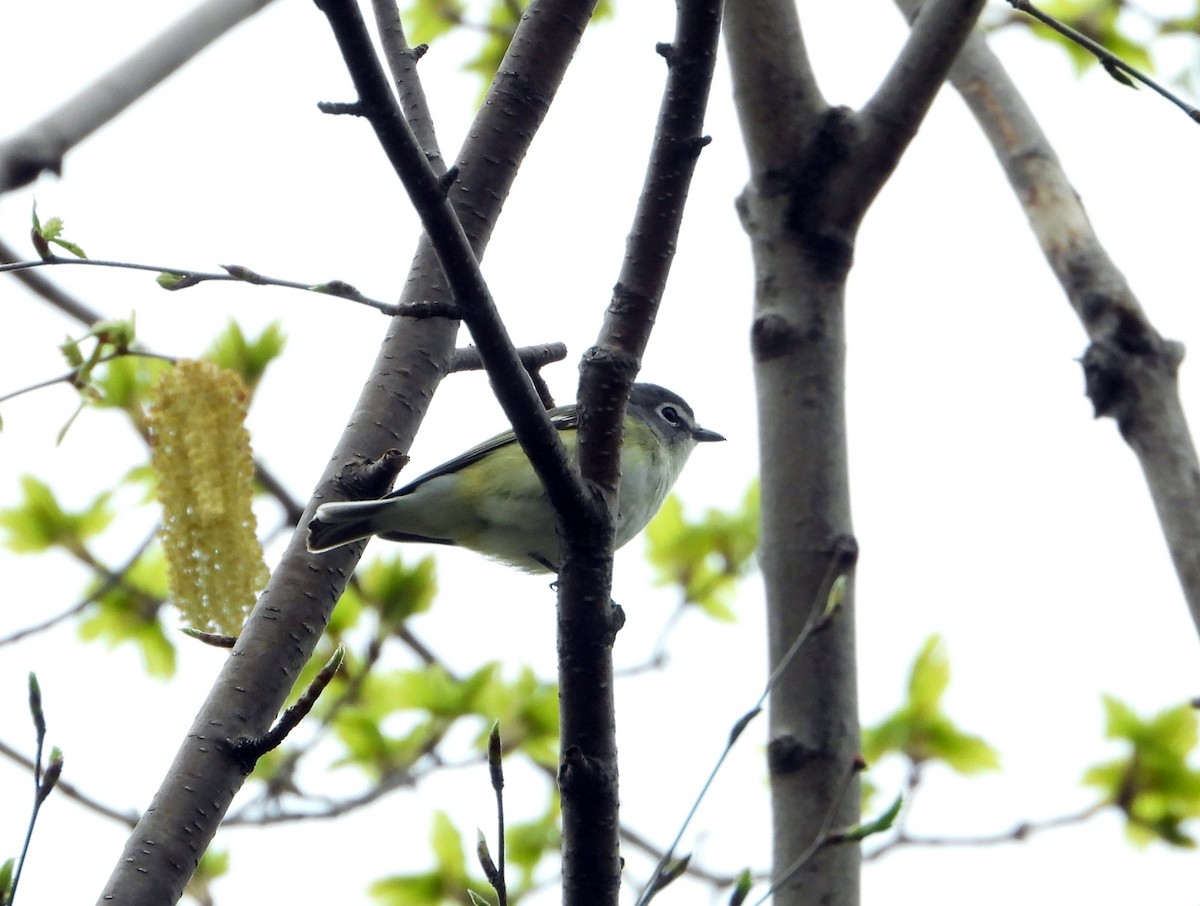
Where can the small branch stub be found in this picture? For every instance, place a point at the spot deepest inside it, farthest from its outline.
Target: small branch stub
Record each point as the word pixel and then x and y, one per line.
pixel 342 108
pixel 367 480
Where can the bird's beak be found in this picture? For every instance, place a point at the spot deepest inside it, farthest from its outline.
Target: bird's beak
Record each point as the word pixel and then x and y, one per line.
pixel 703 435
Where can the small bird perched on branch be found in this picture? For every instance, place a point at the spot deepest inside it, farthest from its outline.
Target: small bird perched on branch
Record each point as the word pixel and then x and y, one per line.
pixel 490 500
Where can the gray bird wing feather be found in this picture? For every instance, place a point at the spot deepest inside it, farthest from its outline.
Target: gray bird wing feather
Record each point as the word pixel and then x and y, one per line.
pixel 562 418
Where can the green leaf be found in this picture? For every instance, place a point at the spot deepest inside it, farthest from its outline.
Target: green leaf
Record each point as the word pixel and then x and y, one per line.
pixel 213 864
pixel 376 753
pixel 1153 785
pixel 408 890
pixel 396 590
pixel 6 879
pixel 434 690
pixel 360 733
pixel 704 559
pixel 877 825
pixel 929 677
pixel 51 231
pixel 71 352
pixel 248 358
pixel 426 20
pixel 39 523
pixel 920 731
pixel 1099 20
pixel 128 613
pixel 448 849
pixel 125 382
pixel 346 614
pixel 527 708
pixel 528 843
pixel 741 888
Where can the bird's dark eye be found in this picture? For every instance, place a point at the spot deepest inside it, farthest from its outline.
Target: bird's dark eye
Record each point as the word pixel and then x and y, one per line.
pixel 670 414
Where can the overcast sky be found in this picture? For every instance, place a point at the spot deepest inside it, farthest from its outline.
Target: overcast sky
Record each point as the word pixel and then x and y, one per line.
pixel 989 506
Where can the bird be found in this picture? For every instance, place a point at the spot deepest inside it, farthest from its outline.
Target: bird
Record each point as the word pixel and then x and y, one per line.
pixel 489 499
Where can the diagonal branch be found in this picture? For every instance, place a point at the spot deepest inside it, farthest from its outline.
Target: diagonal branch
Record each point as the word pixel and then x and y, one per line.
pixel 42 145
pixel 402 63
pixel 890 119
pixel 510 381
pixel 1130 369
pixel 282 631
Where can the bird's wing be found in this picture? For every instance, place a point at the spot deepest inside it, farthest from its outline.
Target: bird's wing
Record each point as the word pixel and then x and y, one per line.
pixel 562 417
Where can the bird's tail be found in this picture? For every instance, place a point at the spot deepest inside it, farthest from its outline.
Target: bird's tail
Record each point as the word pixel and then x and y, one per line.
pixel 335 524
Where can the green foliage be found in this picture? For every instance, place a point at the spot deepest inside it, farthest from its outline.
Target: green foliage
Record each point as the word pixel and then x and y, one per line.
pixel 247 358
pixel 6 880
pixel 530 842
pixel 741 888
pixel 878 825
pixel 1102 21
pixel 1152 784
pixel 431 701
pixel 920 731
pixel 346 615
pixel 126 612
pixel 446 882
pixel 434 690
pixel 125 382
pixel 427 20
pixel 707 558
pixel 39 522
pixel 527 709
pixel 397 591
pixel 51 233
pixel 111 339
pixel 213 864
pixel 450 881
pixel 503 18
pixel 171 280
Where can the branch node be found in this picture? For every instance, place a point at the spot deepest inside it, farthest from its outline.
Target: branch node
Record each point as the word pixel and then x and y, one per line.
pixel 616 363
pixel 845 552
pixel 788 755
pixel 428 308
pixel 419 51
pixel 447 180
pixel 616 622
pixel 665 50
pixel 695 145
pixel 581 775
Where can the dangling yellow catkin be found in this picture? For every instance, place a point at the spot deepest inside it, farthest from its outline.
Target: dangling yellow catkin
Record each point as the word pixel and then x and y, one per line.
pixel 200 451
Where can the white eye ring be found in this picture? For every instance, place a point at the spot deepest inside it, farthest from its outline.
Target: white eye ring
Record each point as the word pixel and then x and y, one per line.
pixel 671 414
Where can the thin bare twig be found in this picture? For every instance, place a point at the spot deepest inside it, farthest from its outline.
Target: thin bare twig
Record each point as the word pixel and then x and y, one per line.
pixel 1113 65
pixel 402 63
pixel 1016 834
pixel 111 579
pixel 1130 369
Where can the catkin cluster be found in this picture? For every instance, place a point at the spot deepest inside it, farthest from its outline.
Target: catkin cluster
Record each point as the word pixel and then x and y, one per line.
pixel 200 451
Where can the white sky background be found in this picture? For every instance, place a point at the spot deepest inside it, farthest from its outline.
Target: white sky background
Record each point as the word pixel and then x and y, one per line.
pixel 989 506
